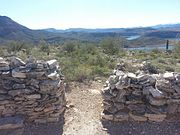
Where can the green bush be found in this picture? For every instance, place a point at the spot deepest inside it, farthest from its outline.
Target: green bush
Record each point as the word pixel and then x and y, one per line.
pixel 110 46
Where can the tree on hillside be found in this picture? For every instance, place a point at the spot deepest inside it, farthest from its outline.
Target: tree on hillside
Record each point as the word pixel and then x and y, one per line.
pixel 45 47
pixel 69 47
pixel 109 46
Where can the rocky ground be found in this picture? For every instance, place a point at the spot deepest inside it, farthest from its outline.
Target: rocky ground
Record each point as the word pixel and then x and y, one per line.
pixel 82 117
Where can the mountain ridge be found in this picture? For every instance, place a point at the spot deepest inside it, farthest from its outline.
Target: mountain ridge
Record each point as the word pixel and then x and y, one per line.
pixel 13 31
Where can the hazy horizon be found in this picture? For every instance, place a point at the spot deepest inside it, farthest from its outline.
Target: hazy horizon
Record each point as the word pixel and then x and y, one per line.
pixel 91 14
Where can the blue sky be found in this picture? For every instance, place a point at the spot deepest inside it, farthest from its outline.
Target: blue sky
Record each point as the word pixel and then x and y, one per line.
pixel 62 14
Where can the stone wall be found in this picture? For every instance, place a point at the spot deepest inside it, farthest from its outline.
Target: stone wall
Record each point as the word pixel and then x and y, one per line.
pixel 34 89
pixel 141 97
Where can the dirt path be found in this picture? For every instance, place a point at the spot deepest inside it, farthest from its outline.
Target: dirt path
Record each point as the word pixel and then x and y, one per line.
pixel 84 104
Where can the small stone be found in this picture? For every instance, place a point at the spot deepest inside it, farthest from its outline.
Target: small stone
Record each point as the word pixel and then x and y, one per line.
pixel 16 62
pixel 4 68
pixel 42 121
pixel 107 116
pixel 172 108
pixel 55 114
pixel 18 86
pixel 139 108
pixel 4 97
pixel 137 118
pixel 2 107
pixel 53 119
pixel 18 92
pixel 18 74
pixel 53 76
pixel 121 116
pixel 157 102
pixel 3 63
pixel 155 117
pixel 52 64
pixel 169 75
pixel 119 106
pixel 131 75
pixel 48 109
pixel 155 92
pixel 11 122
pixel 48 86
pixel 176 88
pixel 34 96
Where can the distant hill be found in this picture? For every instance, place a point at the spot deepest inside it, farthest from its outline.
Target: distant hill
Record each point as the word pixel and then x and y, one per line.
pixel 166 26
pixel 13 31
pixel 122 31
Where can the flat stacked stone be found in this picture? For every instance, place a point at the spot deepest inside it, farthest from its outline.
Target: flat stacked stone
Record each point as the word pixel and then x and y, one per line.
pixel 33 89
pixel 141 97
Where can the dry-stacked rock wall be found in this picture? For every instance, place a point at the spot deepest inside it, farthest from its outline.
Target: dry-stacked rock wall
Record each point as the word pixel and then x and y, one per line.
pixel 141 97
pixel 34 89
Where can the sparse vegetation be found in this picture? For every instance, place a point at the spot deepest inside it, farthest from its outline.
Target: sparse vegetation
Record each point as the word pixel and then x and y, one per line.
pixel 85 61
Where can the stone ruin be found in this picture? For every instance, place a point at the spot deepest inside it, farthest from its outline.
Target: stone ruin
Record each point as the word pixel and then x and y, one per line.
pixel 33 90
pixel 141 97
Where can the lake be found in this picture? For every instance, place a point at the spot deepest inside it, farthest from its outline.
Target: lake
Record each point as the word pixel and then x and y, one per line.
pixel 150 48
pixel 132 37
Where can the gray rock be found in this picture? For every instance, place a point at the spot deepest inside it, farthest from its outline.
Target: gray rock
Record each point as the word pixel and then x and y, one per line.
pixel 19 86
pixel 176 88
pixel 172 108
pixel 53 76
pixel 138 117
pixel 4 97
pixel 138 108
pixel 3 63
pixel 157 102
pixel 18 92
pixel 121 116
pixel 131 75
pixel 52 64
pixel 19 74
pixel 6 68
pixel 16 62
pixel 107 116
pixel 33 96
pixel 155 117
pixel 155 92
pixel 124 82
pixel 169 75
pixel 11 122
pixel 48 86
pixel 164 85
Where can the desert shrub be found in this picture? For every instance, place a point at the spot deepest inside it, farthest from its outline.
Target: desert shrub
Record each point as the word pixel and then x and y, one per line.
pixel 156 51
pixel 45 48
pixel 109 46
pixel 69 47
pixel 169 68
pixel 162 60
pixel 15 46
pixel 1 51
